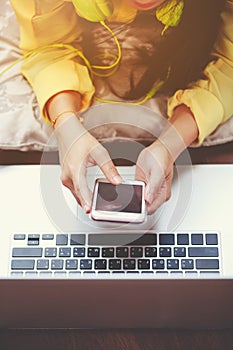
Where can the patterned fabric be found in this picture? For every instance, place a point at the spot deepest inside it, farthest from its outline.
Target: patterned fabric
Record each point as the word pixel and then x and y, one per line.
pixel 21 125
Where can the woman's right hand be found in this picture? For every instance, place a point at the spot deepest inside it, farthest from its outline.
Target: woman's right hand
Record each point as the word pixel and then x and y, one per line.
pixel 78 150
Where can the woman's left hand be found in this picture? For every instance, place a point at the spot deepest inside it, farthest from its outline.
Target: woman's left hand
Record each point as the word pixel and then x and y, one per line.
pixel 155 167
pixel 155 163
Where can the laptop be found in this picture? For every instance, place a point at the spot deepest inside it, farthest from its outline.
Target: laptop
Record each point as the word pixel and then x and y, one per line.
pixel 61 269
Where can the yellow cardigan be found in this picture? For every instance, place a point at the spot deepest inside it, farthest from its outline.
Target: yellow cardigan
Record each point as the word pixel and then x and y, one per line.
pixel 45 22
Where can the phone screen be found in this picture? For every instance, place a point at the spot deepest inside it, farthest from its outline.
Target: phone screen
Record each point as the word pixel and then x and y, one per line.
pixel 119 198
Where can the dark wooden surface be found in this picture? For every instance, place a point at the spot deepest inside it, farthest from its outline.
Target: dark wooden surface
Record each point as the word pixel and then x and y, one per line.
pixel 199 155
pixel 118 339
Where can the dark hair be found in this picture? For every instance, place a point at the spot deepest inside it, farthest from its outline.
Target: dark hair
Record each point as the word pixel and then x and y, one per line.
pixel 186 48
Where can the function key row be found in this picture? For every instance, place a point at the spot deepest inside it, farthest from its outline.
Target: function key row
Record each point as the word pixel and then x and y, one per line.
pixel 122 239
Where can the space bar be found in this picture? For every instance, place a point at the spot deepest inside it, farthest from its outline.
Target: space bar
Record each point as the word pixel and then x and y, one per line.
pixel 119 239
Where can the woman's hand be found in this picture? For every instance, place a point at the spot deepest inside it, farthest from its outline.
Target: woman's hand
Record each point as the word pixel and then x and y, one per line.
pixel 155 167
pixel 155 163
pixel 84 152
pixel 78 149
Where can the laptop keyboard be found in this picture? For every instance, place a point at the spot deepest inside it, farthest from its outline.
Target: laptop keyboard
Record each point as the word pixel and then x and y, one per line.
pixel 80 255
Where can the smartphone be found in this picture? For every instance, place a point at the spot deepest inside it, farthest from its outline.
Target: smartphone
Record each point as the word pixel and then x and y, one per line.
pixel 124 202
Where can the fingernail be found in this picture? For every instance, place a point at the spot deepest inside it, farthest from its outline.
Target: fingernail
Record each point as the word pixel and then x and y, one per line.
pixel 86 209
pixel 116 179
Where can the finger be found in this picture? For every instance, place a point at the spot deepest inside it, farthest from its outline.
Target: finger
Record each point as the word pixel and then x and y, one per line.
pixel 141 174
pixel 66 181
pixel 107 166
pixel 82 192
pixel 160 197
pixel 83 197
pixel 153 187
pixel 111 173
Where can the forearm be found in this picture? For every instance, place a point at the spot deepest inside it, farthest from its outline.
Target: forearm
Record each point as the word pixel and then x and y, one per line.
pixel 63 109
pixel 180 132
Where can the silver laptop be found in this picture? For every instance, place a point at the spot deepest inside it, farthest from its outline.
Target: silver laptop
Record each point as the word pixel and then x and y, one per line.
pixel 59 268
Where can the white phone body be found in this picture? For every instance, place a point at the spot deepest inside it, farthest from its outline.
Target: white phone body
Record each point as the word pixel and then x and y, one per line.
pixel 124 202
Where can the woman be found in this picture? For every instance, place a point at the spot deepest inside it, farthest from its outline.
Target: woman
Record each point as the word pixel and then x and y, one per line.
pixel 64 87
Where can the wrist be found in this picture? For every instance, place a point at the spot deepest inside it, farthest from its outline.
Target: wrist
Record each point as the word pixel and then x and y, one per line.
pixel 180 132
pixel 63 105
pixel 63 116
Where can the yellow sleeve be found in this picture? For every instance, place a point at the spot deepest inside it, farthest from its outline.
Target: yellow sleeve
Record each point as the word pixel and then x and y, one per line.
pixel 50 69
pixel 211 99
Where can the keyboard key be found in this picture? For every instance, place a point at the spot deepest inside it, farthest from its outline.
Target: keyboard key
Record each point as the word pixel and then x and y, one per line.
pixel 50 252
pixel 48 236
pixel 118 272
pixel 132 272
pixel 64 252
pixel 179 251
pixel 202 251
pixel 167 239
pixel 23 264
pixel 77 239
pixel 56 264
pixel 209 272
pixel 158 264
pixel 27 252
pixel 93 252
pixel 146 239
pixel 129 264
pixel 197 238
pixel 100 264
pixel 136 252
pixel 165 252
pixel 150 252
pixel 122 252
pixel 117 239
pixel 211 239
pixel 114 264
pixel 59 274
pixel 17 274
pixel 31 274
pixel 33 239
pixel 61 239
pixel 78 252
pixel 46 274
pixel 207 264
pixel 74 274
pixel 143 264
pixel 182 239
pixel 187 264
pixel 19 236
pixel 71 264
pixel 85 264
pixel 108 252
pixel 42 264
pixel 172 264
